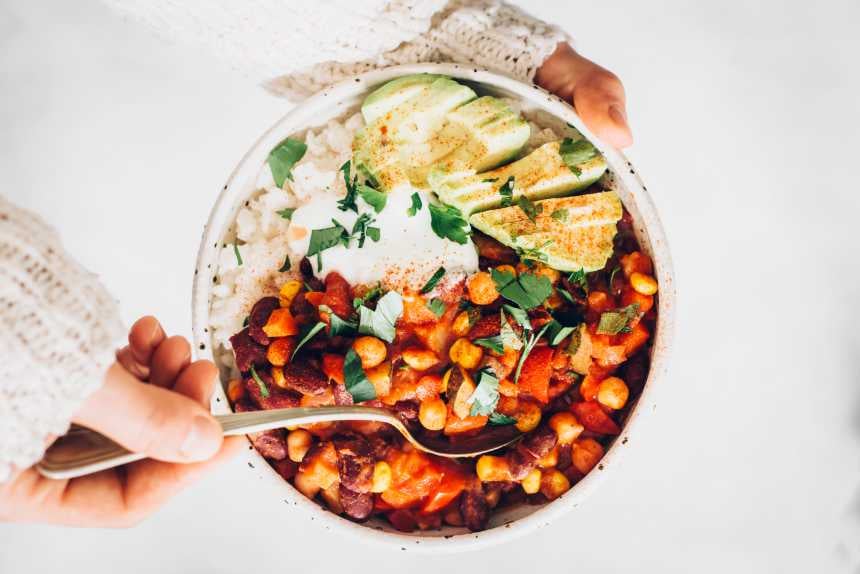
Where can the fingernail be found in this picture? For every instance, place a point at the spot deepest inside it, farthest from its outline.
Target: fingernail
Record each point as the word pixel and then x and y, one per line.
pixel 618 115
pixel 201 442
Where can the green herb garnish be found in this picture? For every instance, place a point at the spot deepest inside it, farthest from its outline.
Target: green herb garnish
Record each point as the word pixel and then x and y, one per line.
pixel 284 157
pixel 579 278
pixel 287 264
pixel 531 209
pixel 437 306
pixel 238 255
pixel 526 290
pixel 374 198
pixel 287 212
pixel 416 205
pixel 325 238
pixel 362 229
pixel 498 419
pixel 309 334
pixel 355 379
pixel 618 321
pixel 507 192
pixel 264 390
pixel 534 253
pixel 495 344
pixel 433 281
pixel 556 332
pixel 566 294
pixel 380 322
pixel 448 223
pixel 508 335
pixel 369 296
pixel 559 214
pixel 519 315
pixel 612 277
pixel 574 153
pixel 530 342
pixel 486 395
pixel 338 326
pixel 348 202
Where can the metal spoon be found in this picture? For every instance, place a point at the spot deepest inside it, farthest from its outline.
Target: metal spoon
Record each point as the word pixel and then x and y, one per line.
pixel 83 451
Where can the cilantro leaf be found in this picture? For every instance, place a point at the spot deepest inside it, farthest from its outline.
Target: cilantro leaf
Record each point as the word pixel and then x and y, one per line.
pixel 325 238
pixel 612 277
pixel 287 212
pixel 566 294
pixel 495 344
pixel 416 205
pixel 284 157
pixel 374 198
pixel 486 394
pixel 507 334
pixel 380 322
pixel 507 192
pixel 448 223
pixel 579 278
pixel 338 326
pixel 534 253
pixel 437 306
pixel 238 255
pixel 618 321
pixel 526 290
pixel 355 379
pixel 519 315
pixel 433 281
pixel 369 296
pixel 559 214
pixel 309 334
pixel 264 390
pixel 574 153
pixel 530 343
pixel 362 229
pixel 287 264
pixel 348 201
pixel 498 419
pixel 531 209
pixel 556 332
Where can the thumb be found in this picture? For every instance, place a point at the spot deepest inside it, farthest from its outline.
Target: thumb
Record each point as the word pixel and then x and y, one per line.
pixel 158 422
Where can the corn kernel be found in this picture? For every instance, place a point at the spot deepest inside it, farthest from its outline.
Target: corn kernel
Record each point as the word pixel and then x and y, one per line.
pixel 566 427
pixel 482 288
pixel 298 443
pixel 288 292
pixel 585 455
pixel 492 469
pixel 445 378
pixel 531 483
pixel 643 284
pixel 419 359
pixel 370 350
pixel 432 414
pixel 550 459
pixel 612 393
pixel 528 418
pixel 465 354
pixel 278 377
pixel 381 477
pixel 553 484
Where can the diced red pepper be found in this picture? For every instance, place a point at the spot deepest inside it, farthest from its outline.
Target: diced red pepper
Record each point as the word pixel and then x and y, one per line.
pixel 450 488
pixel 594 418
pixel 535 375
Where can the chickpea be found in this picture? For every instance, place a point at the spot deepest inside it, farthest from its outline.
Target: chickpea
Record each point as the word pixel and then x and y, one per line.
pixel 553 484
pixel 331 496
pixel 298 443
pixel 465 354
pixel 643 284
pixel 549 273
pixel 419 359
pixel 492 469
pixel 482 288
pixel 381 477
pixel 288 292
pixel 432 414
pixel 235 390
pixel 380 377
pixel 566 427
pixel 370 350
pixel 531 483
pixel 585 455
pixel 529 417
pixel 507 269
pixel 550 459
pixel 612 393
pixel 462 324
pixel 306 484
pixel 278 377
pixel 636 261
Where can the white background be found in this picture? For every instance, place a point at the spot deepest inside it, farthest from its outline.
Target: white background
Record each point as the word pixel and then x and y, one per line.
pixel 746 121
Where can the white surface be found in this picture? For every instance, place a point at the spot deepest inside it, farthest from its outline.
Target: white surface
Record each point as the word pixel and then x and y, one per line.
pixel 745 119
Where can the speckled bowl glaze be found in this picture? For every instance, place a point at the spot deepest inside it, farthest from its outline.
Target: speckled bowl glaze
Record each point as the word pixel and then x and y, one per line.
pixel 332 103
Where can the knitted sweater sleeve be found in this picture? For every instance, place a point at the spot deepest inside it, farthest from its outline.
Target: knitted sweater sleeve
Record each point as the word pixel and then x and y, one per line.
pixel 58 331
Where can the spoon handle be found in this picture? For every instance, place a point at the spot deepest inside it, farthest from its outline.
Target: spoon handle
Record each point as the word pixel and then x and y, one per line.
pixel 83 451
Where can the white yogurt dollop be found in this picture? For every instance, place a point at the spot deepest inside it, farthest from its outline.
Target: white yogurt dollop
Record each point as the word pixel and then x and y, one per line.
pixel 405 257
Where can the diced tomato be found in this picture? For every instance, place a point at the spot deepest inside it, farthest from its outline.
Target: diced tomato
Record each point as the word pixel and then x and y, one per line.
pixel 599 301
pixel 589 386
pixel 413 479
pixel 456 425
pixel 315 298
pixel 594 418
pixel 450 487
pixel 635 339
pixel 332 366
pixel 338 295
pixel 507 405
pixel 535 375
pixel 324 399
pixel 415 310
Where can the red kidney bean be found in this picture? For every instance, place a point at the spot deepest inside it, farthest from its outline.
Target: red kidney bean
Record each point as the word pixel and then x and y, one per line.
pixel 247 351
pixel 355 463
pixel 259 316
pixel 305 379
pixel 473 507
pixel 356 505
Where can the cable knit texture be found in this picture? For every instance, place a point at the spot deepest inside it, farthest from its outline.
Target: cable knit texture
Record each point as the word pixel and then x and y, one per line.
pixel 59 331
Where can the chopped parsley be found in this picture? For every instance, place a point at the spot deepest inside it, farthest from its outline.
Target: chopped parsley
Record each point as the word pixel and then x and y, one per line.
pixel 526 290
pixel 507 192
pixel 380 322
pixel 559 214
pixel 264 390
pixel 437 306
pixel 348 202
pixel 287 264
pixel 531 209
pixel 579 278
pixel 238 255
pixel 369 296
pixel 325 238
pixel 519 315
pixel 618 321
pixel 612 277
pixel 416 205
pixel 287 212
pixel 362 229
pixel 575 153
pixel 433 281
pixel 566 294
pixel 534 253
pixel 486 395
pixel 495 344
pixel 448 223
pixel 556 332
pixel 338 326
pixel 308 335
pixel 498 419
pixel 374 198
pixel 355 379
pixel 284 157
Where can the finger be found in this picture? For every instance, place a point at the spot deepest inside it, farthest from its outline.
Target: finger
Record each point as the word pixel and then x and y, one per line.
pixel 168 360
pixel 125 357
pixel 145 418
pixel 197 381
pixel 144 337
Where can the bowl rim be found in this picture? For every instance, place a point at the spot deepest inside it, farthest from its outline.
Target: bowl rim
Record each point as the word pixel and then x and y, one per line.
pixel 301 117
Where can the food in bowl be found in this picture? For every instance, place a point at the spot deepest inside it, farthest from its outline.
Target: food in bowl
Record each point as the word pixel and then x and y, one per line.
pixel 455 260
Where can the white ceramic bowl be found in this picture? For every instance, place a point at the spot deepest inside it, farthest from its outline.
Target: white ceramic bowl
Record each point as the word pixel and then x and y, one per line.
pixel 333 103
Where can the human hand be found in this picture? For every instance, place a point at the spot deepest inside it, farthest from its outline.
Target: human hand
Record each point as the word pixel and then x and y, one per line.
pixel 596 93
pixel 168 419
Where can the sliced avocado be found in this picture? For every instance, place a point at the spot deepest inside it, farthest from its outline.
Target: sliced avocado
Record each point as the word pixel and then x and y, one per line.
pixel 568 234
pixel 540 175
pixel 423 123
